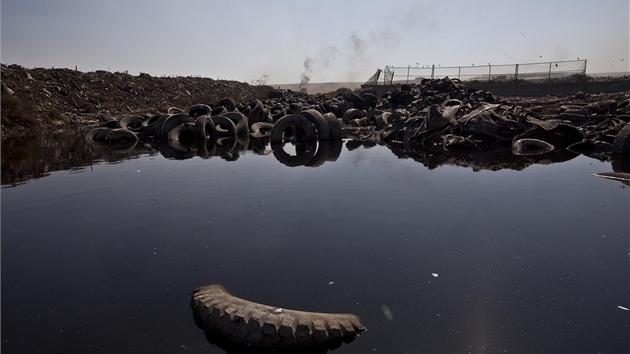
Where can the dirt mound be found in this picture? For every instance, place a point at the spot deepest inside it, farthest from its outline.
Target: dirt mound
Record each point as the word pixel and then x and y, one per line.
pixel 60 97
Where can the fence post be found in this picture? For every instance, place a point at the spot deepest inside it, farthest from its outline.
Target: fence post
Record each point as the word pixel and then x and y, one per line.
pixel 516 81
pixel 489 72
pixel 459 72
pixel 432 71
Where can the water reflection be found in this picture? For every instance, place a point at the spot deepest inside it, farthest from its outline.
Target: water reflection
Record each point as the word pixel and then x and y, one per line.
pixel 35 156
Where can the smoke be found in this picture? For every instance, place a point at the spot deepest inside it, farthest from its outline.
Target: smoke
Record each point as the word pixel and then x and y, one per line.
pixel 308 71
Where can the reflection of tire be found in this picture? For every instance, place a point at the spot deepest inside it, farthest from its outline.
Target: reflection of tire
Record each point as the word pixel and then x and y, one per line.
pixel 322 154
pixel 320 123
pixel 305 151
pixel 621 145
pixel 528 146
pixel 98 137
pixel 206 148
pixel 224 126
pixel 305 130
pixel 122 139
pixel 225 145
pixel 240 120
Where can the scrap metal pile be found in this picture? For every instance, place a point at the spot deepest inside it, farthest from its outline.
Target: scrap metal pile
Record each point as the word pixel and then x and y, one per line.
pixel 435 113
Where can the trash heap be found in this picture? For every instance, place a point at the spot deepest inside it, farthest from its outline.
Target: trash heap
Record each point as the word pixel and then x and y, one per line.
pixel 435 113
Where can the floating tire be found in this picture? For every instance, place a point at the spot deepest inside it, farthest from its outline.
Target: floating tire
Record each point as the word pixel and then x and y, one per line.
pixel 621 145
pixel 528 146
pixel 262 326
pixel 304 129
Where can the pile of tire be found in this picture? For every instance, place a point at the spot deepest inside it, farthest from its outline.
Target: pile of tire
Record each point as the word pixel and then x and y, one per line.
pixel 438 112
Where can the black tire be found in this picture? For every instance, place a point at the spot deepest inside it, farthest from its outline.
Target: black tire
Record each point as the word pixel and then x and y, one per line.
pixel 184 132
pixel 240 120
pixel 351 114
pixel 305 129
pixel 528 146
pixel 336 133
pixel 98 137
pixel 228 103
pixel 320 123
pixel 621 145
pixel 204 128
pixel 133 123
pixel 356 100
pixel 171 122
pixel 198 110
pixel 224 126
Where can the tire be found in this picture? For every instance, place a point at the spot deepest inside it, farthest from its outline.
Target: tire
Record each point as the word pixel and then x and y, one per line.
pixel 240 120
pixel 98 137
pixel 198 110
pixel 171 122
pixel 228 103
pixel 621 145
pixel 224 126
pixel 184 132
pixel 133 123
pixel 204 128
pixel 352 114
pixel 356 100
pixel 528 146
pixel 336 133
pixel 305 129
pixel 320 123
pixel 218 312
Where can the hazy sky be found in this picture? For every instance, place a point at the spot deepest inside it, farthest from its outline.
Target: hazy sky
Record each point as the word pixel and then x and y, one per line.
pixel 327 40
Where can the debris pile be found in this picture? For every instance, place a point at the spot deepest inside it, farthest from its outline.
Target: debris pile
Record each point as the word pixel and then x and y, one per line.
pixel 436 113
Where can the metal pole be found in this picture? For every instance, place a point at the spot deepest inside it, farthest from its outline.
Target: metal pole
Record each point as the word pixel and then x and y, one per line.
pixel 516 80
pixel 432 71
pixel 489 72
pixel 408 67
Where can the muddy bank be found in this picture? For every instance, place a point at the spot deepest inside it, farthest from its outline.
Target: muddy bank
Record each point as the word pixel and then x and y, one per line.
pixel 63 97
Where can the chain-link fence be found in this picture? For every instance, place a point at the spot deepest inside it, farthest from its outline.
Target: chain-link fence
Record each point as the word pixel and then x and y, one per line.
pixel 535 72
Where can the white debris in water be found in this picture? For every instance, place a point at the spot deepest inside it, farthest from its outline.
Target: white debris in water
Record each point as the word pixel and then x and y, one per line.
pixel 624 308
pixel 387 312
pixel 331 283
pixel 435 275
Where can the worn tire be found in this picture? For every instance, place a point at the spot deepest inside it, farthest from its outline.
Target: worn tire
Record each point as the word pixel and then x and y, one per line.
pixel 621 145
pixel 226 126
pixel 320 123
pixel 305 129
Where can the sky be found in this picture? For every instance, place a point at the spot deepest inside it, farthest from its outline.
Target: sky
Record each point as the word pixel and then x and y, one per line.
pixel 287 41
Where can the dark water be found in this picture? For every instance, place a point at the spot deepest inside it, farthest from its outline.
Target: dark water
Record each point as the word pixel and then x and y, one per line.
pixel 521 256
